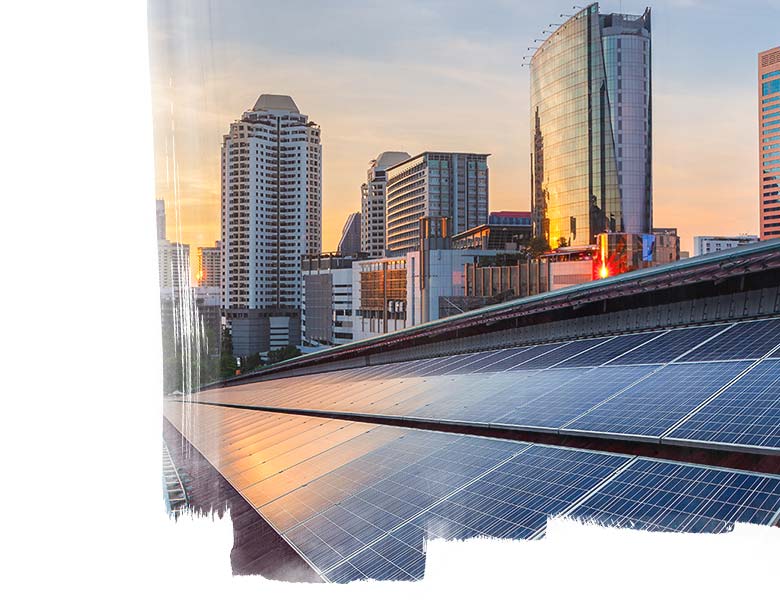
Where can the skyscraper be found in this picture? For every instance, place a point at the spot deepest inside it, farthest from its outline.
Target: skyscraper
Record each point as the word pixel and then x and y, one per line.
pixel 349 244
pixel 591 128
pixel 769 142
pixel 372 203
pixel 271 215
pixel 435 184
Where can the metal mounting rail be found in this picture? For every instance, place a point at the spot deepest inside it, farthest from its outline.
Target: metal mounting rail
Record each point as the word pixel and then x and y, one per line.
pixel 176 500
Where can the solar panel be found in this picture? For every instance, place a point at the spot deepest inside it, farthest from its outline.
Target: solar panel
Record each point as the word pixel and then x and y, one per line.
pixel 512 500
pixel 612 349
pixel 518 358
pixel 749 340
pixel 667 496
pixel 669 346
pixel 656 403
pixel 747 413
pixel 570 400
pixel 358 500
pixel 560 354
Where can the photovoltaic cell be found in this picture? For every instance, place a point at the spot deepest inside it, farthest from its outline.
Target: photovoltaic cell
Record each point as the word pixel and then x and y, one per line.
pixel 750 340
pixel 669 346
pixel 658 402
pixel 666 496
pixel 746 413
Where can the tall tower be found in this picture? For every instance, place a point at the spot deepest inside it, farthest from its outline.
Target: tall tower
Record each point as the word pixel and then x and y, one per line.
pixel 591 118
pixel 271 216
pixel 372 203
pixel 769 142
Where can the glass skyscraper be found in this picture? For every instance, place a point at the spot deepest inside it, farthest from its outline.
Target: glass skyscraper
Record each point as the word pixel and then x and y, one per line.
pixel 591 128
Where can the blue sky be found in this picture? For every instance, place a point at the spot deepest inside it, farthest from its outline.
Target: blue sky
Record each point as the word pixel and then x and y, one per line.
pixel 447 75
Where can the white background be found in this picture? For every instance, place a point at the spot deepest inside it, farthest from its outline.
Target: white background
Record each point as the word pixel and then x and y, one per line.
pixel 83 509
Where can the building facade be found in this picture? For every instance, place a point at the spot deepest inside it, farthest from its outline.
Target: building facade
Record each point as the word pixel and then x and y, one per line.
pixel 435 184
pixel 769 142
pixel 349 244
pixel 704 244
pixel 210 266
pixel 591 128
pixel 271 216
pixel 326 315
pixel 373 203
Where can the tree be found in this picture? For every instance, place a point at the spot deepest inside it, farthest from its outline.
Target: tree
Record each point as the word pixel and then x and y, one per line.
pixel 536 247
pixel 281 354
pixel 562 242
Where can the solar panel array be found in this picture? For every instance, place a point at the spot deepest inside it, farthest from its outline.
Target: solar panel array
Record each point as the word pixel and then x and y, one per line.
pixel 707 385
pixel 359 500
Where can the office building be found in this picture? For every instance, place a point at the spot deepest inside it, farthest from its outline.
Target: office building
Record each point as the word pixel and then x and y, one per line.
pixel 591 128
pixel 410 288
pixel 209 266
pixel 704 244
pixel 271 216
pixel 451 185
pixel 769 142
pixel 326 315
pixel 349 244
pixel 372 203
pixel 505 230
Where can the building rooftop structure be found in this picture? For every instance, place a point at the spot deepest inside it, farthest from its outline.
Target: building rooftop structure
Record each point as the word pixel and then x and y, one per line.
pixel 493 420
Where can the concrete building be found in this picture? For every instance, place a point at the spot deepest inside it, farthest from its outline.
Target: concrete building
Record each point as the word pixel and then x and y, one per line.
pixel 372 203
pixel 160 206
pixel 349 244
pixel 704 244
pixel 326 315
pixel 173 263
pixel 769 142
pixel 210 266
pixel 435 184
pixel 395 292
pixel 271 216
pixel 591 128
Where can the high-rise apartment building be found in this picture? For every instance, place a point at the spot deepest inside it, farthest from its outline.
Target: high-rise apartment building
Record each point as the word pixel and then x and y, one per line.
pixel 160 206
pixel 271 216
pixel 769 142
pixel 591 128
pixel 349 244
pixel 435 184
pixel 209 266
pixel 173 261
pixel 372 203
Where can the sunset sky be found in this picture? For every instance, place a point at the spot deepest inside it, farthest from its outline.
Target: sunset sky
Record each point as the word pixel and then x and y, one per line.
pixel 446 75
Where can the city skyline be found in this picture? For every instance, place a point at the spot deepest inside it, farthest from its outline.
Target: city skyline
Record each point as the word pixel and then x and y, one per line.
pixel 466 72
